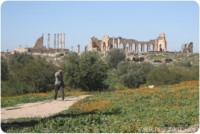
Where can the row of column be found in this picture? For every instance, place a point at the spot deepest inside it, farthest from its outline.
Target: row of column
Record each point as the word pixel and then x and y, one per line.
pixel 142 46
pixel 129 48
pixel 59 41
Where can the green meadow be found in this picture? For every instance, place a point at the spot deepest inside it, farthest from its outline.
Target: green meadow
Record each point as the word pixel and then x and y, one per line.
pixel 131 110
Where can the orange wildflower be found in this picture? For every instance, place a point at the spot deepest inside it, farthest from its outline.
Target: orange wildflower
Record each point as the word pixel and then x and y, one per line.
pixel 98 105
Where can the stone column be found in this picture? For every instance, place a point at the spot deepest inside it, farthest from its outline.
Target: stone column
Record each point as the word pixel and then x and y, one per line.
pixel 131 47
pixel 57 41
pixel 118 43
pixel 102 49
pixel 107 46
pixel 113 42
pixel 85 48
pixel 155 45
pixel 136 48
pixel 78 47
pixel 48 41
pixel 61 41
pixel 142 47
pixel 90 44
pixel 147 47
pixel 124 45
pixel 54 41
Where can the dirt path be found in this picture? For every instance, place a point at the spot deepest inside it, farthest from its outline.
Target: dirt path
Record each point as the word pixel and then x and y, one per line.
pixel 39 109
pixel 190 129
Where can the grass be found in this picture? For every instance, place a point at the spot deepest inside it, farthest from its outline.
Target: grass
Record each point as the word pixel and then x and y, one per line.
pixel 131 110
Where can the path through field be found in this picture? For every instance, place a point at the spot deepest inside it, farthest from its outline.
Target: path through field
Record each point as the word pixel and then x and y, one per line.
pixel 39 109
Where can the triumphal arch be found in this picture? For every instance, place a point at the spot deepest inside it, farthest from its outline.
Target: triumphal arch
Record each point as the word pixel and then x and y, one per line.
pixel 129 45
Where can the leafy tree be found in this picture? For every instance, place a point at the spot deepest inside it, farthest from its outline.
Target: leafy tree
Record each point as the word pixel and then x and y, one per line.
pixel 87 72
pixel 131 80
pixel 71 70
pixel 40 74
pixel 22 58
pixel 115 56
pixel 4 69
pixel 133 74
pixel 35 76
pixel 122 67
pixel 93 71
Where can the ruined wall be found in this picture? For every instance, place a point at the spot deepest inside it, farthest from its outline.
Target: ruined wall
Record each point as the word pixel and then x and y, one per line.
pixel 129 45
pixel 161 43
pixel 187 48
pixel 39 43
pixel 95 44
pixel 21 50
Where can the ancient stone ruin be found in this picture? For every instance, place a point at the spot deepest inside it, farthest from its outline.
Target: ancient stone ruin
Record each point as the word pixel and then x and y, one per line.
pixel 187 48
pixel 39 48
pixel 39 43
pixel 129 45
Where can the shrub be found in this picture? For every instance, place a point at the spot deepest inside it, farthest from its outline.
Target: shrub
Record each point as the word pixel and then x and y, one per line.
pixel 4 69
pixel 87 72
pixel 22 58
pixel 162 75
pixel 37 75
pixel 71 70
pixel 115 56
pixel 187 73
pixel 93 71
pixel 133 74
pixel 131 80
pixel 113 80
pixel 122 67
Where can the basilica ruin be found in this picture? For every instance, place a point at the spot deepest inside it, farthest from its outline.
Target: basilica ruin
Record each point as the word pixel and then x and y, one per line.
pixel 40 48
pixel 129 45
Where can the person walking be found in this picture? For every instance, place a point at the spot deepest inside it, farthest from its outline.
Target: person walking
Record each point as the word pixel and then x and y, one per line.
pixel 59 84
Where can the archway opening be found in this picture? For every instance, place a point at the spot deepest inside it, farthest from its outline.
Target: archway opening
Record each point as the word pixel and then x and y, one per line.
pixel 140 48
pixel 110 46
pixel 104 46
pixel 151 47
pixel 145 48
pixel 160 48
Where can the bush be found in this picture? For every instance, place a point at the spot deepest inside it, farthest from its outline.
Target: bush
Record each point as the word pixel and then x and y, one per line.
pixel 87 72
pixel 4 69
pixel 122 67
pixel 22 58
pixel 131 80
pixel 163 75
pixel 115 56
pixel 113 80
pixel 181 71
pixel 133 74
pixel 71 70
pixel 187 73
pixel 93 71
pixel 37 75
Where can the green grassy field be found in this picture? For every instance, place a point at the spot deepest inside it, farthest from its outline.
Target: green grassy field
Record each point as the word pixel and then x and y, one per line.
pixel 131 110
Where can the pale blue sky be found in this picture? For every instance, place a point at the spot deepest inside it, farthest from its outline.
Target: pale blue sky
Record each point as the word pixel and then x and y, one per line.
pixel 23 22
